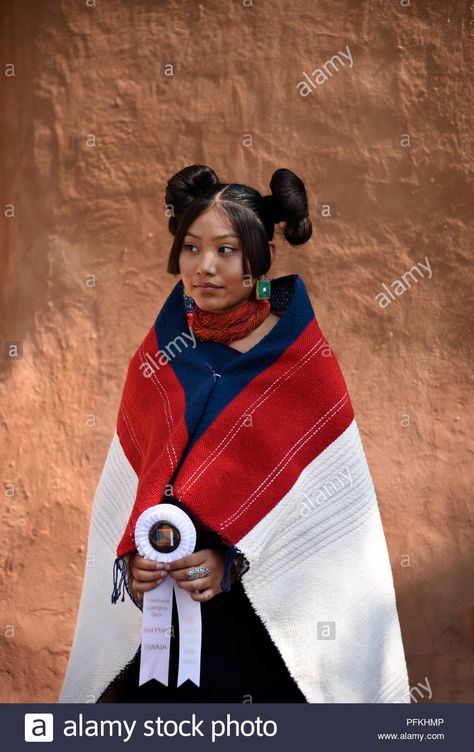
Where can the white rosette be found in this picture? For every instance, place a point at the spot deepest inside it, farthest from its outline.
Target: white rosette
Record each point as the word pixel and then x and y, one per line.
pixel 158 603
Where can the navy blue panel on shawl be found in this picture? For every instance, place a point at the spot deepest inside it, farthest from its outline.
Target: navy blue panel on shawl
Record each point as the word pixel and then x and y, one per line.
pixel 211 395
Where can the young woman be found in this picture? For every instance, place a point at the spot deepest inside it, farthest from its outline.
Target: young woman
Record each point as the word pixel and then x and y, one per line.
pixel 236 412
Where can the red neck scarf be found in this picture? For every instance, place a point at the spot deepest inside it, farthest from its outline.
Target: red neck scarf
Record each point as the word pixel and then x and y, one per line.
pixel 229 325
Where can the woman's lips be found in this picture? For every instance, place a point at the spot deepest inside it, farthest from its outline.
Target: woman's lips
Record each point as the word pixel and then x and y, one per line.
pixel 207 288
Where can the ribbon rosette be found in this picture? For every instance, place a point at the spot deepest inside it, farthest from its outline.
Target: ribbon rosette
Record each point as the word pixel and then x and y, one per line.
pixel 165 533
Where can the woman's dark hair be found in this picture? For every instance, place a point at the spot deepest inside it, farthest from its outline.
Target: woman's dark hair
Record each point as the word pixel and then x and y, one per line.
pixel 196 188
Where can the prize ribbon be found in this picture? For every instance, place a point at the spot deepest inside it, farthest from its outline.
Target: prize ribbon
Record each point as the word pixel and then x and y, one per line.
pixel 165 533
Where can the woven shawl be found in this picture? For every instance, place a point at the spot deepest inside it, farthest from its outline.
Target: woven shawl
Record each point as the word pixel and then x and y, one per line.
pixel 266 453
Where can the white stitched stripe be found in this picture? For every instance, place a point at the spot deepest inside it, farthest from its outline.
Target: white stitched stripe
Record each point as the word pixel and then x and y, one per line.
pixel 291 451
pixel 217 451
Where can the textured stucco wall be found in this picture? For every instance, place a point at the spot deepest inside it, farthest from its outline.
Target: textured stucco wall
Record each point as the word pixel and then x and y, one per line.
pixel 385 141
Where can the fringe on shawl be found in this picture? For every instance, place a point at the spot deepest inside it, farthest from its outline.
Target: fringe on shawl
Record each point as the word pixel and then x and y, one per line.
pixel 121 583
pixel 229 560
pixel 228 563
pixel 120 576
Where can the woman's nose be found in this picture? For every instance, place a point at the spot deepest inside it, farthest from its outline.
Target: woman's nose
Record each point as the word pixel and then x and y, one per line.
pixel 206 262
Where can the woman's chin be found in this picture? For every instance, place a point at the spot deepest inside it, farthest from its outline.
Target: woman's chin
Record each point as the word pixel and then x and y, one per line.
pixel 215 303
pixel 210 302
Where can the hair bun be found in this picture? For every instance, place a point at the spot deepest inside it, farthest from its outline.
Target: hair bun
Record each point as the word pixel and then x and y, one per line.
pixel 273 208
pixel 198 178
pixel 291 205
pixel 184 186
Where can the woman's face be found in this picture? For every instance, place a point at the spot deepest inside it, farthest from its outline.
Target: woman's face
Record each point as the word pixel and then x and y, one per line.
pixel 212 254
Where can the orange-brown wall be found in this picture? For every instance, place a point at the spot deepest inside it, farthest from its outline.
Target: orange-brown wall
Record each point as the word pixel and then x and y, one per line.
pixel 385 141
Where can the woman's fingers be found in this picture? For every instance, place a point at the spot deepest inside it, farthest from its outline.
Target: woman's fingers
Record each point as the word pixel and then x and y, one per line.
pixel 206 595
pixel 141 586
pixel 147 576
pixel 145 570
pixel 192 560
pixel 181 575
pixel 198 584
pixel 140 563
pixel 209 585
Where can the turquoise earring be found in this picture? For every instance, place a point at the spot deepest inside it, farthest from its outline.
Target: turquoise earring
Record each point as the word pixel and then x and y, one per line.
pixel 264 288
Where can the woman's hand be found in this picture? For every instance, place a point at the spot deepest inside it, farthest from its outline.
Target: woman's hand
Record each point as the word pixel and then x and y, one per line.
pixel 147 575
pixel 144 575
pixel 210 585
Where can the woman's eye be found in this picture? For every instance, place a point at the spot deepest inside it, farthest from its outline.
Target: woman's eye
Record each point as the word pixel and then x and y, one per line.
pixel 229 247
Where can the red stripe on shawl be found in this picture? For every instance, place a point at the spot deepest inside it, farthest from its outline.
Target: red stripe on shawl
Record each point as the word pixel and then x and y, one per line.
pixel 151 428
pixel 313 400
